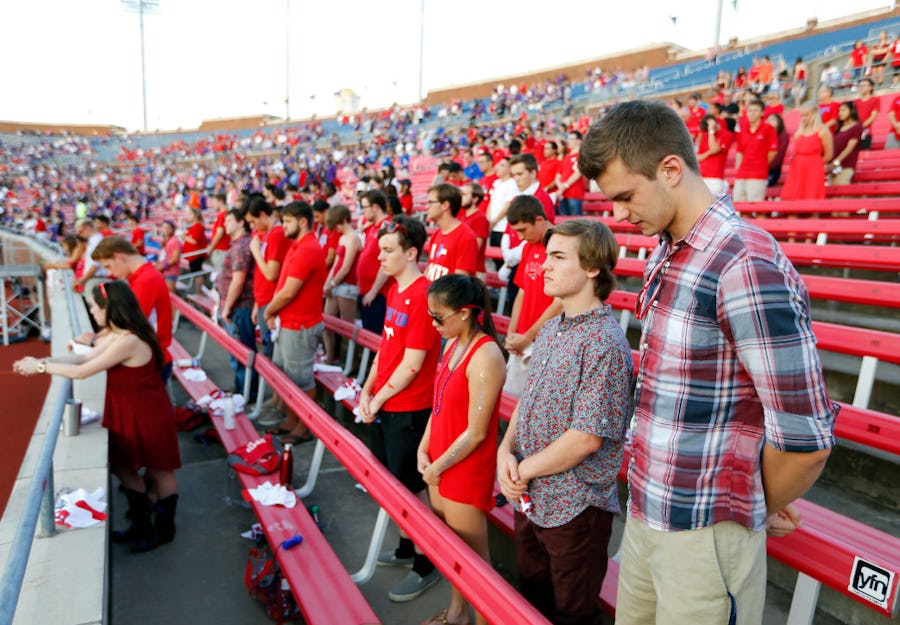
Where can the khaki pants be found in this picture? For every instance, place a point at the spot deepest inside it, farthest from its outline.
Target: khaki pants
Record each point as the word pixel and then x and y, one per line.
pixel 692 576
pixel 843 177
pixel 749 191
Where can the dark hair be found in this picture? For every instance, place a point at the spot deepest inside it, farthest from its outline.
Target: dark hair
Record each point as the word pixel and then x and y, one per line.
pixel 457 291
pixel 597 249
pixel 515 147
pixel 239 216
pixel 410 232
pixel 376 198
pixel 320 206
pixel 642 134
pixel 299 210
pixel 552 144
pixel 102 218
pixel 337 215
pixel 525 209
pixel 221 197
pixel 278 192
pixel 526 159
pixel 124 312
pixel 447 192
pixel 256 204
pixel 477 191
pixel 779 123
pixel 854 115
pixel 70 242
pixel 112 245
pixel 394 206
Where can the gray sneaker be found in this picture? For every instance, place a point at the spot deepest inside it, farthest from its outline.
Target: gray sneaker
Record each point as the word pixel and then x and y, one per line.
pixel 273 417
pixel 389 558
pixel 413 585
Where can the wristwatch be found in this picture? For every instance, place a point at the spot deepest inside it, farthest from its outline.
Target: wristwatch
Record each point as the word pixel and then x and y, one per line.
pixel 41 367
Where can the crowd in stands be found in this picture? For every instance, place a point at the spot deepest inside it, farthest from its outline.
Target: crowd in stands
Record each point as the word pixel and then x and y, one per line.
pixel 281 237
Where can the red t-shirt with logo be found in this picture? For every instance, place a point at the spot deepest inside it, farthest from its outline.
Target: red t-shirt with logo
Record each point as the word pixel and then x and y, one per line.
pixel 407 325
pixel 454 251
pixel 530 278
pixel 274 246
pixel 482 229
pixel 755 148
pixel 225 242
pixel 547 172
pixel 829 112
pixel 152 294
pixel 304 261
pixel 198 234
pixel 864 109
pixel 137 239
pixel 714 166
pixel 566 169
pixel 367 269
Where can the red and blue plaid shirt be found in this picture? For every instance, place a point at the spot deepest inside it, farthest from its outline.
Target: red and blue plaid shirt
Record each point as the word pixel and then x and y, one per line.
pixel 728 363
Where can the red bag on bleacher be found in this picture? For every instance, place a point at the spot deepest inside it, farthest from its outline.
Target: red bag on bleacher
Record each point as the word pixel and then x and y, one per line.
pixel 265 584
pixel 258 457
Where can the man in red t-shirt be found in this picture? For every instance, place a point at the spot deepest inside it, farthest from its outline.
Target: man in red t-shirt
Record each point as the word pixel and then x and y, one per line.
pixel 868 107
pixel 757 145
pixel 569 181
pixel 893 139
pixel 372 282
pixel 120 258
pixel 137 233
pixel 549 167
pixel 713 144
pixel 531 307
pixel 454 247
pixel 195 246
pixel 220 241
pixel 489 176
pixel 269 247
pixel 523 168
pixel 397 395
pixel 695 114
pixel 472 215
pixel 828 108
pixel 295 310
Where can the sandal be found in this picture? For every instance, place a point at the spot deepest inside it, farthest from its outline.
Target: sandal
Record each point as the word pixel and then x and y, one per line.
pixel 297 439
pixel 441 619
pixel 276 431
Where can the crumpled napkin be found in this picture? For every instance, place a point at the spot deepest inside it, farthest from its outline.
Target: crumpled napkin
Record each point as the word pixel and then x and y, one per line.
pixel 269 494
pixel 347 390
pixel 194 375
pixel 216 402
pixel 321 366
pixel 78 508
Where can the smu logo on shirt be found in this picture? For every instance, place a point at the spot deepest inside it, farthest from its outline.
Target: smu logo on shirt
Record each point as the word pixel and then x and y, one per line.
pixel 396 318
pixel 534 268
pixel 441 250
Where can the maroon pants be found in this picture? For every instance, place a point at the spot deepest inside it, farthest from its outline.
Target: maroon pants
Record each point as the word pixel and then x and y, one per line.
pixel 561 569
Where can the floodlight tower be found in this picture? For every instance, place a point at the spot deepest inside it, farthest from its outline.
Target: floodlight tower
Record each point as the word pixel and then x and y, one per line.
pixel 141 7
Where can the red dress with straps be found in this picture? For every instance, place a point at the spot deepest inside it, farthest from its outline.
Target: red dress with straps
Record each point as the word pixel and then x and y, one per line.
pixel 471 480
pixel 140 419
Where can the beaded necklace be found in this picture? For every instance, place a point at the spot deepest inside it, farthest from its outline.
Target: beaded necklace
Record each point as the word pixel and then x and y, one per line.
pixel 448 368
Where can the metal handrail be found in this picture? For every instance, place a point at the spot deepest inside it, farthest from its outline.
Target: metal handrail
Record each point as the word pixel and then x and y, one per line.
pixel 40 494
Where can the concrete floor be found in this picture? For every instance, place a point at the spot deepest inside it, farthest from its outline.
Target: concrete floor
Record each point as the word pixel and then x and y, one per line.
pixel 199 577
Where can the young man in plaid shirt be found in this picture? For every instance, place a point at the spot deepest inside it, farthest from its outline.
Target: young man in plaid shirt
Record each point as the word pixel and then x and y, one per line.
pixel 732 419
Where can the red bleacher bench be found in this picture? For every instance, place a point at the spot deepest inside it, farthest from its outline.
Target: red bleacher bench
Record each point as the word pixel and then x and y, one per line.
pixel 323 589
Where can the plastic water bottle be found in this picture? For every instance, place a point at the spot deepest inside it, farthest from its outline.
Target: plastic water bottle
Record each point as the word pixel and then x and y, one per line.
pixel 187 363
pixel 286 476
pixel 230 423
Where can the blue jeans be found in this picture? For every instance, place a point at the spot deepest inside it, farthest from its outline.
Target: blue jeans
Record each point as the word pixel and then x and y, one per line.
pixel 241 327
pixel 570 206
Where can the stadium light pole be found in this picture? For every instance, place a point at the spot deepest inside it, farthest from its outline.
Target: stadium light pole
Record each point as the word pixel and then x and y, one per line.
pixel 287 59
pixel 718 26
pixel 421 44
pixel 141 7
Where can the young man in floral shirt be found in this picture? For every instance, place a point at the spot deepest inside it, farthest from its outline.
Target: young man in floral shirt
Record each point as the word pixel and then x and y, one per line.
pixel 565 440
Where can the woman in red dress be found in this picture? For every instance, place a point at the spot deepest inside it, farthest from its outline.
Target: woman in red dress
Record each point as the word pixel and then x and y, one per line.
pixel 459 446
pixel 812 149
pixel 142 431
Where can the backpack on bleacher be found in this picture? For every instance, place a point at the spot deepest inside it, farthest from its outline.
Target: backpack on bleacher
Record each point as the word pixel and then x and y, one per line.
pixel 266 584
pixel 190 416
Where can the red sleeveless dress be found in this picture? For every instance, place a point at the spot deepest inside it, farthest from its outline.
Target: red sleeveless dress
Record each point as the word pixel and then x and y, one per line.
pixel 806 178
pixel 470 480
pixel 140 419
